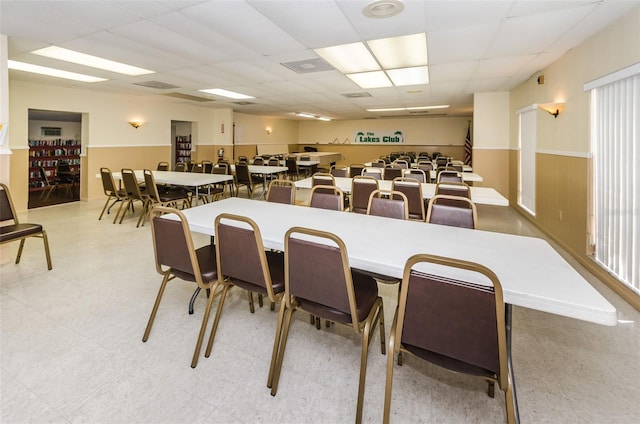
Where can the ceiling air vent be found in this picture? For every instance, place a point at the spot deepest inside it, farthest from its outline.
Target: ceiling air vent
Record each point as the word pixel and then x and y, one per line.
pixel 309 66
pixel 188 97
pixel 357 95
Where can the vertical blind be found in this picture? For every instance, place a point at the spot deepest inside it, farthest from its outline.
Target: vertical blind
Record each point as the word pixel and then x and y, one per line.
pixel 527 177
pixel 615 149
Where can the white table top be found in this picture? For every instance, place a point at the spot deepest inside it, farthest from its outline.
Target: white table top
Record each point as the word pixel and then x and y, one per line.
pixel 481 195
pixel 263 169
pixel 531 272
pixel 188 179
pixel 298 162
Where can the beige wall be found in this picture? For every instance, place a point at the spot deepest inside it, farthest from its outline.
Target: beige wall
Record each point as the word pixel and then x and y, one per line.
pixel 562 164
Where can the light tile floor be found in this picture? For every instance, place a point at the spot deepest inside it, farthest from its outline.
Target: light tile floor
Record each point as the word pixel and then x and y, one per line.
pixel 71 349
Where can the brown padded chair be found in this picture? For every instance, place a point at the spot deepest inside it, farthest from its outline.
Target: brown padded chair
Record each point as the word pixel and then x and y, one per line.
pixel 412 189
pixel 391 172
pixel 181 167
pixel 134 193
pixel 390 204
pixel 176 256
pixel 12 230
pixel 112 193
pixel 282 191
pixel 374 172
pixel 318 280
pixel 293 170
pixel 454 216
pixel 244 178
pixel 361 188
pixel 355 169
pixel 242 261
pixel 452 188
pixel 163 166
pixel 446 175
pixel 172 197
pixel 339 171
pixel 457 325
pixel 326 197
pixel 418 174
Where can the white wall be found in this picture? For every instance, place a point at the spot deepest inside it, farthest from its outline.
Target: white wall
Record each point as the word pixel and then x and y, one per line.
pixel 491 120
pixel 70 130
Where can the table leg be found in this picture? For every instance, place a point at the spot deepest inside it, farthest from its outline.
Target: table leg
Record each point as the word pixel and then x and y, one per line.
pixel 508 315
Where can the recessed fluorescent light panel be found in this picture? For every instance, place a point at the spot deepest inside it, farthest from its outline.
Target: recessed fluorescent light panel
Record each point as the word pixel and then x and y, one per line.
pixel 67 55
pixel 400 61
pixel 400 52
pixel 377 79
pixel 227 93
pixel 43 70
pixel 409 76
pixel 308 115
pixel 349 58
pixel 398 109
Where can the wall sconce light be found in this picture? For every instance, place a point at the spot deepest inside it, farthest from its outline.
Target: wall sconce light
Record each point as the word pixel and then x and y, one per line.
pixel 552 108
pixel 136 124
pixel 268 131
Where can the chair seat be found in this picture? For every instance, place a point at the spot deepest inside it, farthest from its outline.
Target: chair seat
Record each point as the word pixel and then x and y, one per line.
pixel 18 231
pixel 207 259
pixel 366 291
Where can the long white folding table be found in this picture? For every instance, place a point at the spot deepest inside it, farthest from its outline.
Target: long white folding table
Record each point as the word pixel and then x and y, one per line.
pixel 184 179
pixel 532 274
pixel 481 195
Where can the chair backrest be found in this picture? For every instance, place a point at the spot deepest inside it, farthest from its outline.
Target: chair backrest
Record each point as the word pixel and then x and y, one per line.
pixel 163 166
pixel 326 197
pixel 131 184
pixel 273 161
pixel 355 169
pixel 402 163
pixel 412 189
pixel 305 157
pixel 150 184
pixel 361 188
pixel 242 159
pixel 460 323
pixel 197 167
pixel 173 245
pixel 442 161
pixel 417 174
pixel 258 160
pixel 240 253
pixel 339 171
pixel 282 191
pixel 108 183
pixel 322 178
pixel 390 204
pixel 7 211
pixel 181 167
pixel 63 166
pixel 221 168
pixel 454 216
pixel 243 176
pixel 446 175
pixel 380 163
pixel 372 172
pixel 207 166
pixel 190 165
pixel 292 165
pixel 453 188
pixel 391 172
pixel 318 271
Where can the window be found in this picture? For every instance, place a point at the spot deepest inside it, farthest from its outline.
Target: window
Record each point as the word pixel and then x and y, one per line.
pixel 615 152
pixel 527 175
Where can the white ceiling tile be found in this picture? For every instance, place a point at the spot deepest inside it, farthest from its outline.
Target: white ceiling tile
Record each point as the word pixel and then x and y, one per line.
pixel 461 44
pixel 501 67
pixel 451 72
pixel 448 15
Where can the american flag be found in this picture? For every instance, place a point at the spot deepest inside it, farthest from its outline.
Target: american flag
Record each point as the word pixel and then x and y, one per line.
pixel 467 146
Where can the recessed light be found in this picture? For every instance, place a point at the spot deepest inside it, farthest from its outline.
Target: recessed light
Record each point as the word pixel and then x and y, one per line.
pixel 72 56
pixel 43 70
pixel 383 8
pixel 227 93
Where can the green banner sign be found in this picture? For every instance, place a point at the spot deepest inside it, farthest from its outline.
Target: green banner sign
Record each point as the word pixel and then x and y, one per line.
pixel 379 137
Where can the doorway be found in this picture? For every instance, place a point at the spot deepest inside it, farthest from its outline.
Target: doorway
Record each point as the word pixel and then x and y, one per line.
pixel 180 142
pixel 54 157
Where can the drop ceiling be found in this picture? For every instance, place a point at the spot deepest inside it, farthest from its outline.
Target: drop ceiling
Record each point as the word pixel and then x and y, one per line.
pixel 473 46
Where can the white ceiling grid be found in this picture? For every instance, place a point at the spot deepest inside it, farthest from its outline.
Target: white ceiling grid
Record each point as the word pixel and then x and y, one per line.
pixel 239 45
